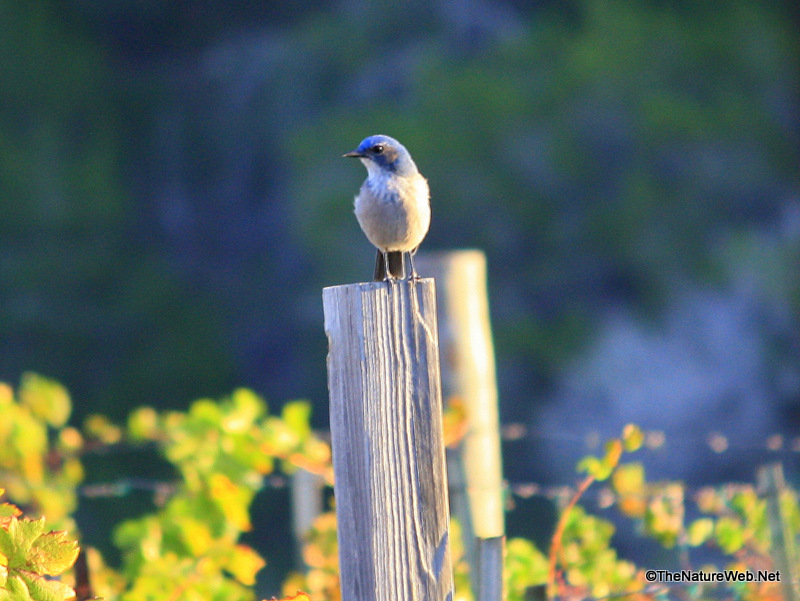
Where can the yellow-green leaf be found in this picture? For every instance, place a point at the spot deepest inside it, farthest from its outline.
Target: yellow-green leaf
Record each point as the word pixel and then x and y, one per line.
pixel 628 479
pixel 632 437
pixel 8 510
pixel 729 534
pixel 53 553
pixel 700 531
pixel 296 415
pixel 244 564
pixel 590 465
pixel 17 589
pixel 46 399
pixel 17 538
pixel 247 408
pixel 143 423
pixel 613 453
pixel 41 589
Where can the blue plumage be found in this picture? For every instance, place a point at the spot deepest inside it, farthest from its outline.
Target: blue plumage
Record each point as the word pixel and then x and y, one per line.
pixel 392 206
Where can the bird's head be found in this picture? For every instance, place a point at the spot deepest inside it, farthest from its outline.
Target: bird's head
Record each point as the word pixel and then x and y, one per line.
pixel 383 153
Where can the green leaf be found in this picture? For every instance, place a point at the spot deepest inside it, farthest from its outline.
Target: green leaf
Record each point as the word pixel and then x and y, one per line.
pixel 526 566
pixel 205 411
pixel 629 479
pixel 296 415
pixel 46 399
pixel 700 531
pixel 17 538
pixel 247 408
pixel 590 465
pixel 17 589
pixel 8 510
pixel 595 467
pixel 244 563
pixel 143 424
pixel 613 453
pixel 41 589
pixel 53 553
pixel 729 534
pixel 632 437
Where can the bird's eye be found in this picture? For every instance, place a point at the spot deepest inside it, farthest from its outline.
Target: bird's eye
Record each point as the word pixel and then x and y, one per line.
pixel 377 149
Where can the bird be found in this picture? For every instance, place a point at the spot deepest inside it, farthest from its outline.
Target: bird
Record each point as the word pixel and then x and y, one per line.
pixel 393 204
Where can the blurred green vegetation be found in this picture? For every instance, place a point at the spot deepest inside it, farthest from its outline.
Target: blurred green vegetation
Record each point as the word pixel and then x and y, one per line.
pixel 87 294
pixel 173 198
pixel 197 540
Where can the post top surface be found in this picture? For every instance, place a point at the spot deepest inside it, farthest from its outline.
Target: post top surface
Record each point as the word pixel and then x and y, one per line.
pixel 378 285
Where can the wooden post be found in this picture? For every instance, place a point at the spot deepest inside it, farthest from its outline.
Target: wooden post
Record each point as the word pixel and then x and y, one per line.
pixel 490 560
pixel 388 452
pixel 306 489
pixel 771 485
pixel 468 374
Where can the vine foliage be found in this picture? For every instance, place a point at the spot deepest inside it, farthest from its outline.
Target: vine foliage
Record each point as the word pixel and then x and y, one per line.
pixel 191 546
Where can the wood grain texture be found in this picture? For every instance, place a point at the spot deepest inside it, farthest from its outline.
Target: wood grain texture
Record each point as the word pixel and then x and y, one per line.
pixel 388 452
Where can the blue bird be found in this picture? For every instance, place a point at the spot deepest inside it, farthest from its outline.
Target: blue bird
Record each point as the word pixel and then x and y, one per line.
pixel 393 205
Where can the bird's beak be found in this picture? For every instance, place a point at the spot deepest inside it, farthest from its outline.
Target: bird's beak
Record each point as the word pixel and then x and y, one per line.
pixel 354 154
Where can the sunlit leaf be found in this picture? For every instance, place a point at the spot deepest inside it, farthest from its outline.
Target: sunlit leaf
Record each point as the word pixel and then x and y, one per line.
pixel 6 394
pixel 300 596
pixel 729 534
pixel 17 538
pixel 700 531
pixel 17 589
pixel 593 466
pixel 195 534
pixel 143 423
pixel 100 427
pixel 42 589
pixel 70 439
pixel 206 411
pixel 296 416
pixel 632 437
pixel 233 500
pixel 613 453
pixel 246 408
pixel 244 564
pixel 454 421
pixel 746 503
pixel 52 553
pixel 8 510
pixel 525 565
pixel 709 500
pixel 628 479
pixel 629 484
pixel 46 398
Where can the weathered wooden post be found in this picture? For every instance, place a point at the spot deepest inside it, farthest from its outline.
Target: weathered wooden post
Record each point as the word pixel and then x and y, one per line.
pixel 771 486
pixel 388 451
pixel 306 494
pixel 468 373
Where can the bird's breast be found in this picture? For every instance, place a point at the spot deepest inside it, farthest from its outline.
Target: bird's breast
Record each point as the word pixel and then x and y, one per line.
pixel 393 211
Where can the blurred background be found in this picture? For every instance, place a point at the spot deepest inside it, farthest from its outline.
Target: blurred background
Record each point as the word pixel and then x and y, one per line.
pixel 173 199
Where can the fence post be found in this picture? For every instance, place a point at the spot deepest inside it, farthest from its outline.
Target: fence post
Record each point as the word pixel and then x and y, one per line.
pixel 388 453
pixel 771 486
pixel 468 373
pixel 306 494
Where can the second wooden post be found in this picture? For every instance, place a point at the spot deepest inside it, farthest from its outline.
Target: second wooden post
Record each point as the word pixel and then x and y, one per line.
pixel 388 451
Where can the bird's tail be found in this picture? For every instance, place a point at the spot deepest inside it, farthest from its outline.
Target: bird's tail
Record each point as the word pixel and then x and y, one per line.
pixel 394 263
